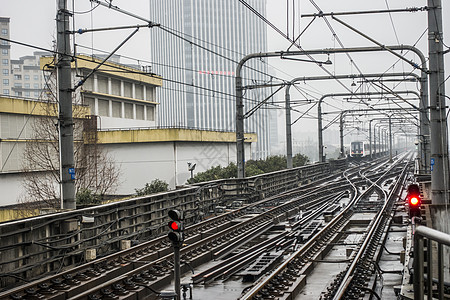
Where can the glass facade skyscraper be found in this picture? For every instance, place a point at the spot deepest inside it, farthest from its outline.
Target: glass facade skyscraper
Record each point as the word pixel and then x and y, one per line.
pixel 196 51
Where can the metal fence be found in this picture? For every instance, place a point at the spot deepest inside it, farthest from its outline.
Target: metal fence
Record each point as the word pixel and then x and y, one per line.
pixel 420 281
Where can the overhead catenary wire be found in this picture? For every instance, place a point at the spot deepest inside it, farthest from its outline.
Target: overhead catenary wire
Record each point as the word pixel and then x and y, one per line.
pixel 293 42
pixel 171 31
pixel 336 37
pixel 329 25
pixel 250 9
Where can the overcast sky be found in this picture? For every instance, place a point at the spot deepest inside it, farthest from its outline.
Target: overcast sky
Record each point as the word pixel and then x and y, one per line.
pixel 33 22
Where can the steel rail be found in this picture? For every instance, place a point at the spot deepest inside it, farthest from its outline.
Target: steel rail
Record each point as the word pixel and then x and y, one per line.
pixel 378 223
pixel 258 287
pixel 196 247
pixel 159 243
pixel 255 290
pixel 127 257
pixel 237 261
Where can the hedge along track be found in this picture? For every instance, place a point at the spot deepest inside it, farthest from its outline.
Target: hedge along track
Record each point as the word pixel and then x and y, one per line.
pixel 153 258
pixel 287 280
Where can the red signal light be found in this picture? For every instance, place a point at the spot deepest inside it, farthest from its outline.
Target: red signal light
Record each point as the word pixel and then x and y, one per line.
pixel 414 200
pixel 174 225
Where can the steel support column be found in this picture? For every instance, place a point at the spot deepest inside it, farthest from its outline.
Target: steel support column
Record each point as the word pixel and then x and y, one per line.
pixel 65 118
pixel 439 132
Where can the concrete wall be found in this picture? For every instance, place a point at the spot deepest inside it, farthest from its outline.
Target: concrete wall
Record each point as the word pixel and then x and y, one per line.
pixel 143 162
pixel 10 185
pixel 115 123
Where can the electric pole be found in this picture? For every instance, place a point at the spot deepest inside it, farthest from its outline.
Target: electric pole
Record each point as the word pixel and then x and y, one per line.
pixel 65 119
pixel 438 120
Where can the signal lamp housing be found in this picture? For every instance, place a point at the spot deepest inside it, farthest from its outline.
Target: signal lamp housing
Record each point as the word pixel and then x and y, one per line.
pixel 176 226
pixel 414 200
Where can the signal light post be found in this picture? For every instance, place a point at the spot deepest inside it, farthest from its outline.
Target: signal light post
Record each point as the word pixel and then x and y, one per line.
pixel 176 236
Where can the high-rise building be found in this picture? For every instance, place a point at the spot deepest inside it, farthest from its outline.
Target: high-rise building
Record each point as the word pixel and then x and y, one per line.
pixel 27 78
pixel 196 51
pixel 5 56
pixel 19 77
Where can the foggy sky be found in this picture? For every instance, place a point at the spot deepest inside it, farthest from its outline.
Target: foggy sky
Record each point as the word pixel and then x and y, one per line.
pixel 33 22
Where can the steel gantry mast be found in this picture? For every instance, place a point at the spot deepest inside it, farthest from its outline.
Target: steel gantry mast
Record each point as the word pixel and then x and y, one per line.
pixel 239 89
pixel 319 113
pixel 350 76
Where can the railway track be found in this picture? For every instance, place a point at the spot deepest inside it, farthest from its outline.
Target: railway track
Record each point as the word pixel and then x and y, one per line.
pixel 138 272
pixel 289 278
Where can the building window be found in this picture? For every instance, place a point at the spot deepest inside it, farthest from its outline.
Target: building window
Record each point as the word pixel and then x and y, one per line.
pixel 36 86
pixel 36 77
pixel 103 108
pixel 19 94
pixel 26 77
pixel 139 112
pixel 36 94
pixel 91 103
pixel 5 72
pixel 17 77
pixel 127 89
pixel 102 84
pixel 27 94
pixel 150 113
pixel 139 94
pixel 115 87
pixel 116 109
pixel 5 51
pixel 4 31
pixel 149 94
pixel 27 85
pixel 5 91
pixel 6 82
pixel 4 42
pixel 5 62
pixel 128 110
pixel 17 85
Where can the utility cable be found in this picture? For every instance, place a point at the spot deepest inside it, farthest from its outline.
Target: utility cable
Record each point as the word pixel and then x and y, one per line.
pixel 164 28
pixel 290 40
pixel 125 69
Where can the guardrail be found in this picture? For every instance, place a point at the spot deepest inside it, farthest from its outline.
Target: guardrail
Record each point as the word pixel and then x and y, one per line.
pixel 441 239
pixel 47 244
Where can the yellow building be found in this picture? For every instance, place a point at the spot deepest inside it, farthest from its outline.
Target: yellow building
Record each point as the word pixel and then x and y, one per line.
pixel 122 101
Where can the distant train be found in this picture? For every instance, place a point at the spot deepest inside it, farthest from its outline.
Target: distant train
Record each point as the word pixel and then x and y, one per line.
pixel 359 149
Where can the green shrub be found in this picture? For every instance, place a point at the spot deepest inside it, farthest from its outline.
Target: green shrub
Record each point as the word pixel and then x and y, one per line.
pixel 156 186
pixel 86 197
pixel 252 168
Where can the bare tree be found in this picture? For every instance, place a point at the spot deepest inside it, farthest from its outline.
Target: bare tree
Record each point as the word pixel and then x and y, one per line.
pixel 95 169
